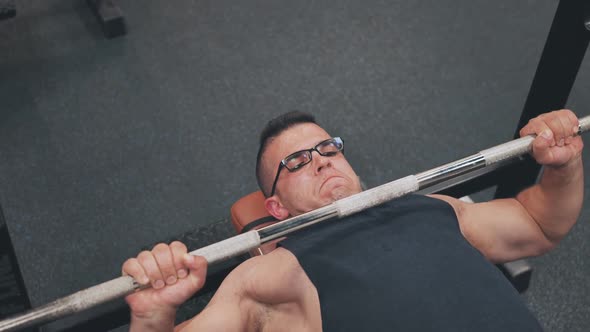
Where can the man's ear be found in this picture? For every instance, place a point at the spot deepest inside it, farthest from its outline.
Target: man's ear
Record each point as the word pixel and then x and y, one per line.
pixel 275 208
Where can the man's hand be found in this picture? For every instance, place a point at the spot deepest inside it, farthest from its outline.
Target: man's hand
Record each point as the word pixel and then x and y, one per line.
pixel 174 277
pixel 555 145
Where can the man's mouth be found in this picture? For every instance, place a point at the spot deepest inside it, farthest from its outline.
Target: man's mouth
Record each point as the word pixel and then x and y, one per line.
pixel 328 179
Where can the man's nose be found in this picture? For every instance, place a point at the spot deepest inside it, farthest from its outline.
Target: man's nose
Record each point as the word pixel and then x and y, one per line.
pixel 321 162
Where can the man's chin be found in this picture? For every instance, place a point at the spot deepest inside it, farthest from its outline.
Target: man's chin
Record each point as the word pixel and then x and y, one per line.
pixel 328 198
pixel 340 193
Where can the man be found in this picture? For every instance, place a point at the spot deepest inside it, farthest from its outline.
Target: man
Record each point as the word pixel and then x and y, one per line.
pixel 416 263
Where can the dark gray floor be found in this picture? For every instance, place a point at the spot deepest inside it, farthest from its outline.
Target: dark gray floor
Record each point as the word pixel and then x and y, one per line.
pixel 109 145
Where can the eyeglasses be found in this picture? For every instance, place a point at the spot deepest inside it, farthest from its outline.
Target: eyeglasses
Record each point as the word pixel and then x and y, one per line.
pixel 296 160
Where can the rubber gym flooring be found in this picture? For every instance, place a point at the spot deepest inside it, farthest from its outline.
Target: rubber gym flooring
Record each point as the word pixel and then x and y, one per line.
pixel 110 145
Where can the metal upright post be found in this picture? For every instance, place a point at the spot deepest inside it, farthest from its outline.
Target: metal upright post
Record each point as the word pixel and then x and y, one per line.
pixel 13 294
pixel 556 73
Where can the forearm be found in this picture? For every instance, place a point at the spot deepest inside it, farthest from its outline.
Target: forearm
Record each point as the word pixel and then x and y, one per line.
pixel 555 202
pixel 160 321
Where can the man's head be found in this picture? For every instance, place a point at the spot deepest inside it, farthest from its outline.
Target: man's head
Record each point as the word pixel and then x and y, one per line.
pixel 323 180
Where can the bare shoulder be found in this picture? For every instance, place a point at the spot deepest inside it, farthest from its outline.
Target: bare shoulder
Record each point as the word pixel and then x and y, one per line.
pixel 278 262
pixel 253 289
pixel 501 229
pixel 457 204
pixel 283 293
pixel 274 278
pixel 462 210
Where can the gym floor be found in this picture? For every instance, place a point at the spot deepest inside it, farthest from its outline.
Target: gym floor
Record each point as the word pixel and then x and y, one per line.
pixel 107 146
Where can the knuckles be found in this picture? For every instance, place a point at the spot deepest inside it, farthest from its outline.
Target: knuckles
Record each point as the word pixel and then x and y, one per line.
pixel 177 245
pixel 159 254
pixel 562 124
pixel 128 266
pixel 552 120
pixel 144 256
pixel 160 247
pixel 129 262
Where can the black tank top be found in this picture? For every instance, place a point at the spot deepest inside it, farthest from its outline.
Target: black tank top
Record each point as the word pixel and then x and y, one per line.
pixel 405 266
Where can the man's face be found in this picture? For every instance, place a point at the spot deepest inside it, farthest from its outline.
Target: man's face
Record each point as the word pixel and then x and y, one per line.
pixel 319 183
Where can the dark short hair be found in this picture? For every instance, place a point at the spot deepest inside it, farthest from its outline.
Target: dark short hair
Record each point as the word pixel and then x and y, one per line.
pixel 273 129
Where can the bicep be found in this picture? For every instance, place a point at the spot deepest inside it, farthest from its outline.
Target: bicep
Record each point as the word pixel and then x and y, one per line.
pixel 501 229
pixel 218 316
pixel 278 278
pixel 228 310
pixel 258 282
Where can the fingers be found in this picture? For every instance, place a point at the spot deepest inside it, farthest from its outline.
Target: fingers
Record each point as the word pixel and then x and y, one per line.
pixel 539 127
pixel 178 251
pixel 541 150
pixel 132 268
pixel 162 266
pixel 151 268
pixel 556 142
pixel 165 261
pixel 558 127
pixel 195 263
pixel 573 123
pixel 198 269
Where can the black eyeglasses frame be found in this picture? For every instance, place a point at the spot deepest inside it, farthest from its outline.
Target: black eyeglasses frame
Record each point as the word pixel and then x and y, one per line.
pixel 283 163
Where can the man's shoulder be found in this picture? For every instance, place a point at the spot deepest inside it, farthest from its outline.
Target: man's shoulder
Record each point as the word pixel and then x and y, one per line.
pixel 270 273
pixel 279 261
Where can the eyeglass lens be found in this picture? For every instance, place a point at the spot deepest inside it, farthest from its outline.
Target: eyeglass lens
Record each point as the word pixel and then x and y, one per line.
pixel 326 148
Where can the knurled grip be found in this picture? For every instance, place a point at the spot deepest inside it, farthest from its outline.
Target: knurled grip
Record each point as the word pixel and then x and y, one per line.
pixel 515 148
pixel 376 196
pixel 228 248
pixel 521 146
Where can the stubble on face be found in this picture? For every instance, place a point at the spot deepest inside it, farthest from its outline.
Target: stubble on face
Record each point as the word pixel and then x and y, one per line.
pixel 312 186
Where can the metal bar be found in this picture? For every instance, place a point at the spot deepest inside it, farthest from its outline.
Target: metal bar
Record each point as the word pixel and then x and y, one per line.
pixel 239 244
pixel 475 181
pixel 440 174
pixel 280 229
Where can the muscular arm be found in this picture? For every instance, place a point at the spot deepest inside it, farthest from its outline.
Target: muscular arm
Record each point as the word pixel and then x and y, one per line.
pixel 539 217
pixel 222 315
pixel 556 202
pixel 528 225
pixel 256 294
pixel 228 310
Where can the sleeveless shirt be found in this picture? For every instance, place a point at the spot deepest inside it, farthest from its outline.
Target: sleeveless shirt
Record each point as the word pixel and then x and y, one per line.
pixel 405 266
